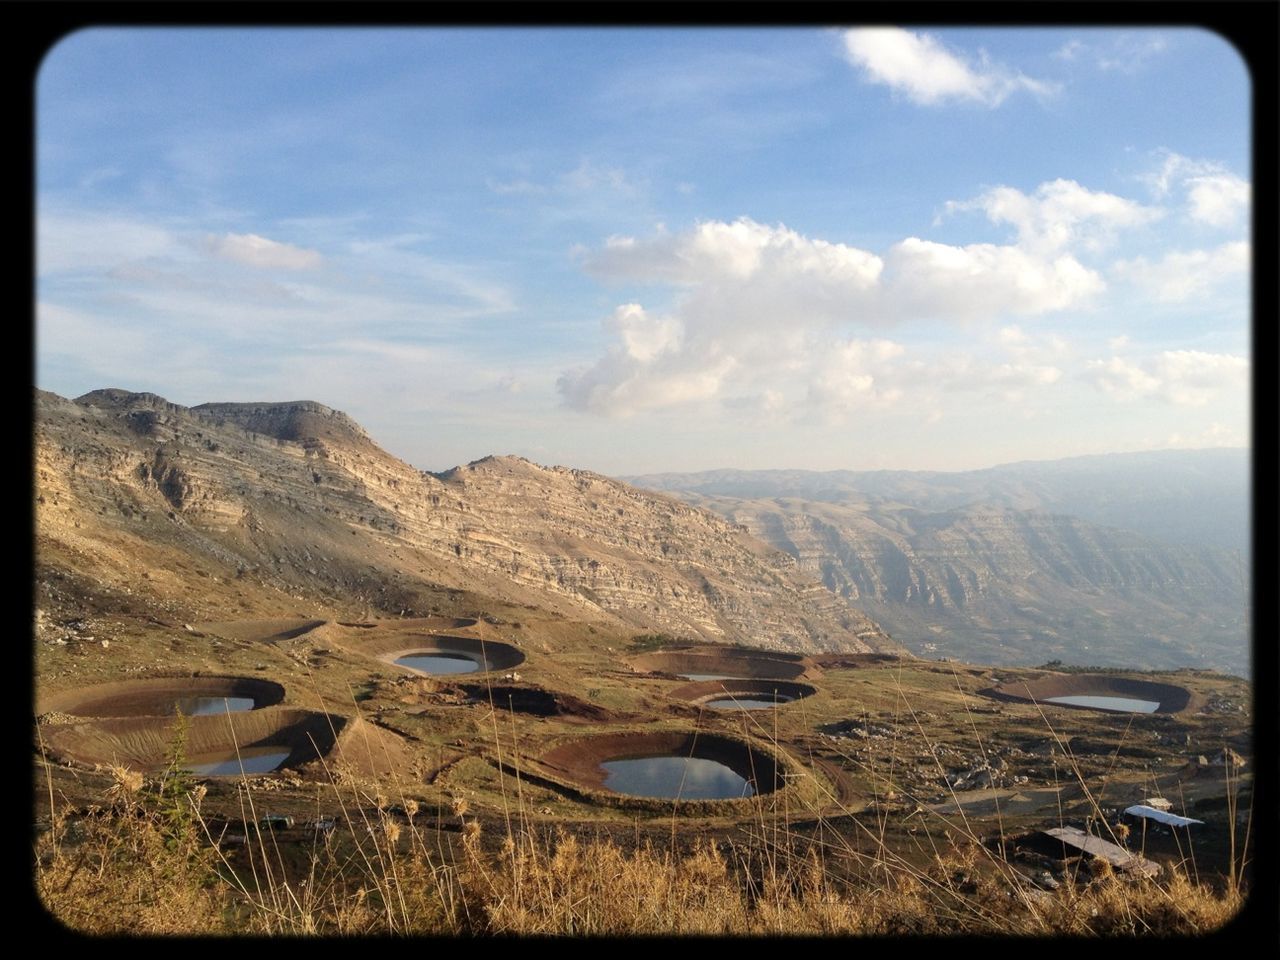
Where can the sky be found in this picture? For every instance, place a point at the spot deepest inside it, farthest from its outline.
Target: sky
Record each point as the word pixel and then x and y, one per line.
pixel 642 250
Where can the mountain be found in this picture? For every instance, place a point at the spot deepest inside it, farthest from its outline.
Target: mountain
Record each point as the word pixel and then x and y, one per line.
pixel 296 500
pixel 990 583
pixel 1196 497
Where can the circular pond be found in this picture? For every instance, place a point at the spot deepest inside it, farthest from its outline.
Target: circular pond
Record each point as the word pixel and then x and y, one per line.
pixel 667 766
pixel 253 742
pixel 164 697
pixel 728 694
pixel 710 663
pixel 443 656
pixel 1085 691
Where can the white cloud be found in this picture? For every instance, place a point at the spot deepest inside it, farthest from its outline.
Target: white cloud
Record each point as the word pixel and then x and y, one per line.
pixel 1219 200
pixel 918 65
pixel 644 337
pixel 1182 377
pixel 981 280
pixel 846 375
pixel 256 251
pixel 764 308
pixel 1193 377
pixel 1214 195
pixel 1128 52
pixel 1121 378
pixel 729 253
pixel 1186 274
pixel 1059 214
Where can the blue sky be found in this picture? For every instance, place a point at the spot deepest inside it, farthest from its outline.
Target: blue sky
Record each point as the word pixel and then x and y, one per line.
pixel 660 249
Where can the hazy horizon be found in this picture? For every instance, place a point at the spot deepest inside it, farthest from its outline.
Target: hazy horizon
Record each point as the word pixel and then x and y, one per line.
pixel 661 250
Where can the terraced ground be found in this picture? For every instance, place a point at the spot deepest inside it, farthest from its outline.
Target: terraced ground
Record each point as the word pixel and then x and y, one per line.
pixel 876 750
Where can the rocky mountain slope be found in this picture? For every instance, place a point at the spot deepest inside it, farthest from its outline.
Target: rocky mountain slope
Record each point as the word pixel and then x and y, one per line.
pixel 295 497
pixel 1012 586
pixel 1193 497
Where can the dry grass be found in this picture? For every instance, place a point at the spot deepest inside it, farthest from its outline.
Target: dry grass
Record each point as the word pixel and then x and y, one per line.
pixel 145 863
pixel 124 871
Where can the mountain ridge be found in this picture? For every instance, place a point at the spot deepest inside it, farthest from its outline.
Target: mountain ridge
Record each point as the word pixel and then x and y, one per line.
pixel 298 494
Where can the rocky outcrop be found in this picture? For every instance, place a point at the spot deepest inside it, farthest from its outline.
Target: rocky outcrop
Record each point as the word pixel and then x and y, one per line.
pixel 1026 586
pixel 299 493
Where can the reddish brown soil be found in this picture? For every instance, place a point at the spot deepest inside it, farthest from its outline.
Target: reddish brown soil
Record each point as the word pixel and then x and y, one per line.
pixel 578 761
pixel 536 701
pixel 146 743
pixel 388 646
pixel 746 664
pixel 156 697
pixel 701 691
pixel 263 631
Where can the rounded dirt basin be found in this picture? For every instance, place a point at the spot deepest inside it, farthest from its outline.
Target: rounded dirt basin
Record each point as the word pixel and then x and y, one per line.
pixel 256 742
pixel 413 623
pixel 722 663
pixel 445 655
pixel 164 697
pixel 742 694
pixel 666 766
pixel 1099 692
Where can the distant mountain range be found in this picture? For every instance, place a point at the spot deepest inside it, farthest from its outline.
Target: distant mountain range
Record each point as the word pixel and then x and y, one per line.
pixel 1198 497
pixel 1120 560
pixel 1131 560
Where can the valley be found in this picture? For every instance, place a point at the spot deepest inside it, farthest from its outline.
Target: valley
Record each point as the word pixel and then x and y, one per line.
pixel 358 643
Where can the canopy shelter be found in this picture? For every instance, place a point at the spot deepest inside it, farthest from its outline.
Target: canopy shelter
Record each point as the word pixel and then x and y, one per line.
pixel 1143 812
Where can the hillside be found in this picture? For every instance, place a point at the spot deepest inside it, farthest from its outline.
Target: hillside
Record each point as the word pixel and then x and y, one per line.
pixel 1194 497
pixel 295 499
pixel 1014 586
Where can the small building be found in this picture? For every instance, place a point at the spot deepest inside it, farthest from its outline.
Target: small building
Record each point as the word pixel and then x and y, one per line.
pixel 1073 838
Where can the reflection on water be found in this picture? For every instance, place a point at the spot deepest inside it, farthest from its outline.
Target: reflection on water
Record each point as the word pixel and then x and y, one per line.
pixel 251 760
pixel 1120 704
pixel 439 662
pixel 669 778
pixel 202 706
pixel 747 703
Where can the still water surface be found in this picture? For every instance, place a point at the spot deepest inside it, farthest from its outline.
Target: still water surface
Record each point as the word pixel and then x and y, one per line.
pixel 203 706
pixel 439 663
pixel 1119 704
pixel 251 760
pixel 747 703
pixel 668 778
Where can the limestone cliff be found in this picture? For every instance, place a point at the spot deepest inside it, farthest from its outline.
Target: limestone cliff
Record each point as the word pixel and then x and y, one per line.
pixel 297 495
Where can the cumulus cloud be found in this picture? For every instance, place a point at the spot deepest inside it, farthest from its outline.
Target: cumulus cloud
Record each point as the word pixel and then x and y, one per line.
pixel 927 72
pixel 1059 214
pixel 1182 377
pixel 1218 199
pixel 1194 377
pixel 734 252
pixel 1214 195
pixel 762 308
pixel 1182 275
pixel 1121 378
pixel 853 374
pixel 256 251
pixel 927 279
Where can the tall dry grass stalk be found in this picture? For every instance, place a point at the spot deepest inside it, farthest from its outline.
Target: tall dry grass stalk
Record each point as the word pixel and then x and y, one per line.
pixel 133 867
